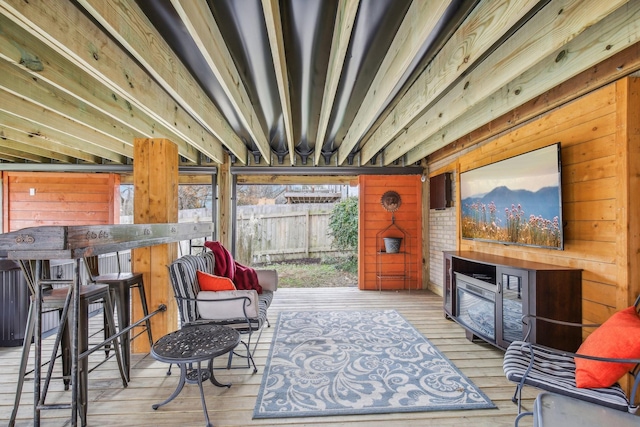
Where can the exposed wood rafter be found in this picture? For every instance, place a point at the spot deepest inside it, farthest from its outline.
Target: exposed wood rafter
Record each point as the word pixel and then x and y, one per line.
pixel 345 19
pixel 202 27
pixel 596 43
pixel 273 21
pixel 123 19
pixel 487 24
pixel 420 20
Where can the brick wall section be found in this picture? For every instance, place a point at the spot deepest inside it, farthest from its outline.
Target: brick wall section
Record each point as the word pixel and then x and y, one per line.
pixel 442 237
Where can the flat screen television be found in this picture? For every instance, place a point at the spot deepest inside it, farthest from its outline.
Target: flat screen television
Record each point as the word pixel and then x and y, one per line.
pixel 516 201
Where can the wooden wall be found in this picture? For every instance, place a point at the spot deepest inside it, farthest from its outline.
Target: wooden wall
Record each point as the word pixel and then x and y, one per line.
pixel 38 198
pixel 373 218
pixel 600 146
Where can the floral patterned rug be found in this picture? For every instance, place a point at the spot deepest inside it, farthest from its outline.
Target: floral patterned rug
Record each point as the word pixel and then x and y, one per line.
pixel 358 362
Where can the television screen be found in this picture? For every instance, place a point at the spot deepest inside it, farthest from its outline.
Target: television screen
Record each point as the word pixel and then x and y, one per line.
pixel 515 201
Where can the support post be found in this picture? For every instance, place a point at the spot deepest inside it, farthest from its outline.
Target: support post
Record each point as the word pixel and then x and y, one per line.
pixel 224 204
pixel 155 178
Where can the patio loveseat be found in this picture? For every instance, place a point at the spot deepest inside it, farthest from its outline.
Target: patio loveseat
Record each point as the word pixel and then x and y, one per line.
pixel 243 308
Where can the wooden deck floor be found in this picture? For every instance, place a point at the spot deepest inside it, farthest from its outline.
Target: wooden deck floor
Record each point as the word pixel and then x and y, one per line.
pixel 110 404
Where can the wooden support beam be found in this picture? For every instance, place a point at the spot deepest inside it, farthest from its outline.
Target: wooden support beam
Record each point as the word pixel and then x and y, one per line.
pixel 155 201
pixel 417 26
pixel 22 49
pixel 273 22
pixel 293 180
pixel 80 137
pixel 18 81
pixel 610 35
pixel 618 66
pixel 20 142
pixel 157 57
pixel 65 29
pixel 345 19
pixel 12 150
pixel 485 26
pixel 36 135
pixel 199 21
pixel 223 216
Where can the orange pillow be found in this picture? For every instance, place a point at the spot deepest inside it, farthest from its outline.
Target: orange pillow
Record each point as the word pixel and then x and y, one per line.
pixel 615 338
pixel 209 282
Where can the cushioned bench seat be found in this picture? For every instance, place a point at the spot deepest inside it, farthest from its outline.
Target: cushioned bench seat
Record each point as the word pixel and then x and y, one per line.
pixel 242 309
pixel 556 373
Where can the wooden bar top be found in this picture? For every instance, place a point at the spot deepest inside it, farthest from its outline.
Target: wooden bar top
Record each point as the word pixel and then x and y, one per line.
pixel 74 242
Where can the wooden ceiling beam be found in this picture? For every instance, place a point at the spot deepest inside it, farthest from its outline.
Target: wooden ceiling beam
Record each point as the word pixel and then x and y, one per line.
pixel 126 22
pixel 39 92
pixel 273 22
pixel 45 139
pixel 201 25
pixel 486 25
pixel 13 149
pixel 416 28
pixel 598 42
pixel 64 28
pixel 79 137
pixel 345 20
pixel 21 49
pixel 620 65
pixel 295 180
pixel 21 142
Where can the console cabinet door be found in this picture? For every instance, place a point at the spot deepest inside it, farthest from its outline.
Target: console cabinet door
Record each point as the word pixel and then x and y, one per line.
pixel 511 304
pixel 448 284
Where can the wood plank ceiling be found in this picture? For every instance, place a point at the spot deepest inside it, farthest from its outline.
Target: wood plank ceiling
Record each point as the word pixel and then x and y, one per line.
pixel 297 83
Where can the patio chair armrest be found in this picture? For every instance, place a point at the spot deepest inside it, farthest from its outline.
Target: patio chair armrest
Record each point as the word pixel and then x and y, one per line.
pixel 268 279
pixel 528 348
pixel 527 324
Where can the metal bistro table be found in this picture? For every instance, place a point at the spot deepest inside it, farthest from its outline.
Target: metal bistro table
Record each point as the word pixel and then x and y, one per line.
pixel 31 246
pixel 192 345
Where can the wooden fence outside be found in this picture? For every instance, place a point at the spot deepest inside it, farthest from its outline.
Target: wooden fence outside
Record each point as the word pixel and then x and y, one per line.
pixel 271 233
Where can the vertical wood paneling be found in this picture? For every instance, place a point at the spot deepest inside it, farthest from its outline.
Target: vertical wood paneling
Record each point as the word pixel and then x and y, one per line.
pixel 373 218
pixel 43 198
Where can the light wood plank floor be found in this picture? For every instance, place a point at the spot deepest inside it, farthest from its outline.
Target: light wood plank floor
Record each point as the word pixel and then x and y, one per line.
pixel 110 404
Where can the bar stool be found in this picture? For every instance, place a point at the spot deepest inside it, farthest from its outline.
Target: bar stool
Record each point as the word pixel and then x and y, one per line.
pixel 120 284
pixel 59 299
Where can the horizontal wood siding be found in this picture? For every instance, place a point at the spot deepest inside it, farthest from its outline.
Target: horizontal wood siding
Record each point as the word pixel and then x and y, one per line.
pixel 599 140
pixel 373 218
pixel 34 199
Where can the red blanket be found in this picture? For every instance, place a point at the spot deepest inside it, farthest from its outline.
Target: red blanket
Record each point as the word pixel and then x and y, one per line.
pixel 242 276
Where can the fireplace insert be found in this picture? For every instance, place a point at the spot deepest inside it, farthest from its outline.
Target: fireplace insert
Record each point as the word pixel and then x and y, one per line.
pixel 476 304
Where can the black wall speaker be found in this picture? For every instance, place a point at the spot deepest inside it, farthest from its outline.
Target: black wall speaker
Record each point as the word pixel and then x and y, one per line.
pixel 440 191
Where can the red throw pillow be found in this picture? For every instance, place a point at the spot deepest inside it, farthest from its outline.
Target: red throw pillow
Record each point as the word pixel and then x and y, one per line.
pixel 615 338
pixel 224 262
pixel 209 282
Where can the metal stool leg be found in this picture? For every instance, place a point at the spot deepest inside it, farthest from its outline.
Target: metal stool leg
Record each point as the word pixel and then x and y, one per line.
pixel 145 310
pixel 26 346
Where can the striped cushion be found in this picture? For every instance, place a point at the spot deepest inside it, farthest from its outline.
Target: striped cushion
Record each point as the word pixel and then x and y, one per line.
pixel 182 273
pixel 556 373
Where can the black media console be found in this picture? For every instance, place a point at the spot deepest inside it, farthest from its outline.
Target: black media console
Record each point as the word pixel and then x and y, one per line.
pixel 489 294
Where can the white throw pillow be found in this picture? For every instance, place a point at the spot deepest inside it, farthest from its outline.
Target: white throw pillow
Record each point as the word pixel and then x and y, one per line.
pixel 231 309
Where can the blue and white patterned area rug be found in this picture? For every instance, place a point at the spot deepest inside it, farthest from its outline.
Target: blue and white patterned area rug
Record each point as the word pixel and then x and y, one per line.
pixel 358 362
